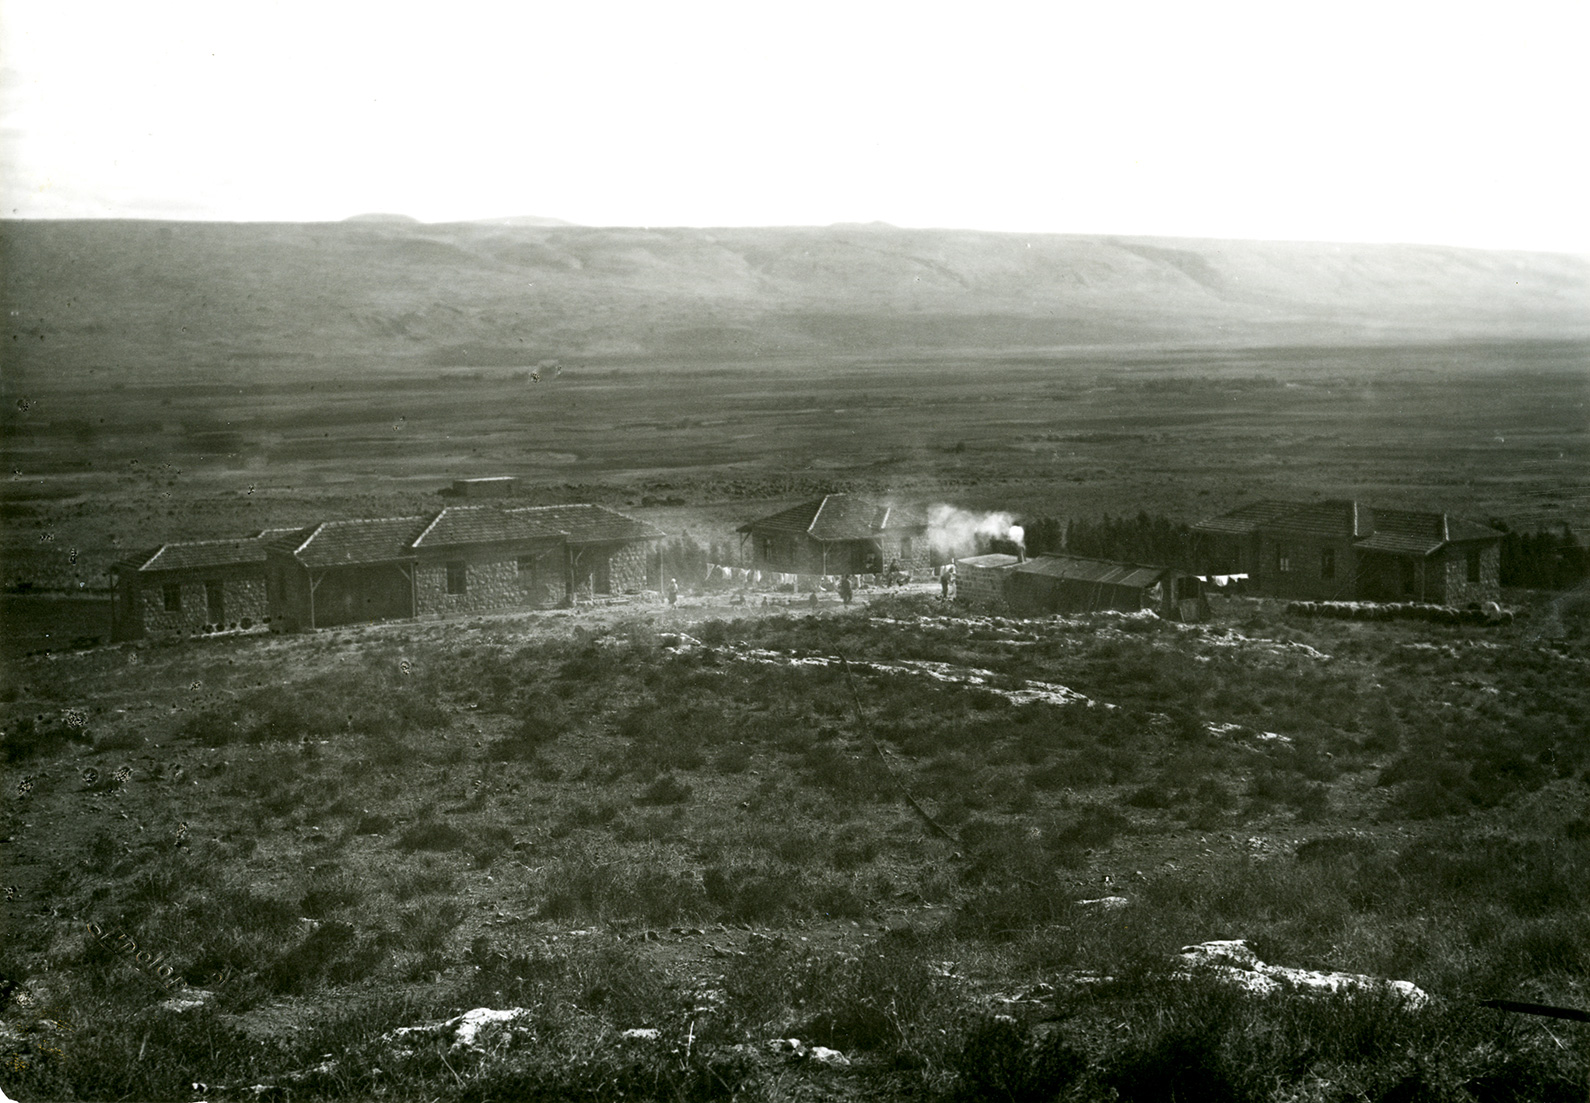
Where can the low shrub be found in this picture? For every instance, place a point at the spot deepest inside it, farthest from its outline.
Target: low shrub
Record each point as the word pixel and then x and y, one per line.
pixel 431 834
pixel 666 789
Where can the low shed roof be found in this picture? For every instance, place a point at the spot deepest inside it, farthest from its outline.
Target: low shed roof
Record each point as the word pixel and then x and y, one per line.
pixel 1103 571
pixel 840 517
pixel 991 561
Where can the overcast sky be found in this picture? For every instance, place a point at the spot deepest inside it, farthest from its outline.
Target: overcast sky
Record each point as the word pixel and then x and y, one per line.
pixel 1455 123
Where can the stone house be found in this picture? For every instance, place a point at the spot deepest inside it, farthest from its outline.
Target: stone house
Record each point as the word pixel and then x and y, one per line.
pixel 838 534
pixel 192 588
pixel 1342 549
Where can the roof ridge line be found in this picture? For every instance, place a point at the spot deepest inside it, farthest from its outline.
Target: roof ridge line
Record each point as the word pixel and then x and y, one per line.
pixel 822 505
pixel 312 534
pixel 414 543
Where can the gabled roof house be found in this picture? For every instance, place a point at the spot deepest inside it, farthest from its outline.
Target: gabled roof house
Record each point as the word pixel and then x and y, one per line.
pixel 1343 549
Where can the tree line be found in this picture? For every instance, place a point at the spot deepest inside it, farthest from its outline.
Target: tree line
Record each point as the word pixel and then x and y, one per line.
pixel 1542 560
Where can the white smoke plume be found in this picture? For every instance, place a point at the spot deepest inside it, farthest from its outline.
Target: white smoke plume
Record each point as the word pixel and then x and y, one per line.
pixel 955 531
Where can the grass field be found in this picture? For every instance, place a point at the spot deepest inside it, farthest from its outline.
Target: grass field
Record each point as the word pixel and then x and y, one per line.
pixel 697 828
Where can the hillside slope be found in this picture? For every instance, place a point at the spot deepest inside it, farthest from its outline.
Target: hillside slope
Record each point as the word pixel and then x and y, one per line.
pixel 145 295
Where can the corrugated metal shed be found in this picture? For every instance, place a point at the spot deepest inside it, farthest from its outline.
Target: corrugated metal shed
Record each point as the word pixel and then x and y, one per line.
pixel 1073 584
pixel 839 517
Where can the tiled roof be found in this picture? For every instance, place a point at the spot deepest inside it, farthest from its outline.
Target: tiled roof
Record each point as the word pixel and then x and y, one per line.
pixel 1245 519
pixel 486 525
pixel 1333 517
pixel 198 554
pixel 1093 570
pixel 1414 532
pixel 377 540
pixel 839 517
pixel 1402 531
pixel 591 524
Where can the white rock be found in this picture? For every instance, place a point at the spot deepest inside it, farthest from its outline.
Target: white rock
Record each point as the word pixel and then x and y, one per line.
pixel 189 999
pixel 830 1057
pixel 1235 960
pixel 464 1028
pixel 1105 903
pixel 642 1033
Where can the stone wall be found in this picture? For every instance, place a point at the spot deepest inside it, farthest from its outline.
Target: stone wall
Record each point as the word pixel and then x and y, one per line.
pixel 626 570
pixel 1304 579
pixel 1453 578
pixel 489 586
pixel 981 585
pixel 242 599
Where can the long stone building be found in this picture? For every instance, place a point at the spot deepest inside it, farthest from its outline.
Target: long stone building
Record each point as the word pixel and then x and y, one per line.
pixel 463 559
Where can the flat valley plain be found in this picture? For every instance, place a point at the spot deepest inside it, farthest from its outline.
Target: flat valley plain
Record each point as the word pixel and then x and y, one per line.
pixel 105 462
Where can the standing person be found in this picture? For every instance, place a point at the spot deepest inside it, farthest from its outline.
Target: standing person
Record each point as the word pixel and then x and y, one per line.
pixel 946 579
pixel 845 589
pixel 673 591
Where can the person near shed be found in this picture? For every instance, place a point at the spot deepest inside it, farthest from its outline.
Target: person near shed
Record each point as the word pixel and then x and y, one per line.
pixel 673 591
pixel 947 579
pixel 845 589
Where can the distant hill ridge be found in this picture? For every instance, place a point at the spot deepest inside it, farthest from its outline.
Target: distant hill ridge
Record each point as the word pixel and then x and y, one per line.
pixel 381 289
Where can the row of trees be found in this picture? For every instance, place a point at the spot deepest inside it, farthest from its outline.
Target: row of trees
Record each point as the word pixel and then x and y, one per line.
pixel 1142 539
pixel 1542 560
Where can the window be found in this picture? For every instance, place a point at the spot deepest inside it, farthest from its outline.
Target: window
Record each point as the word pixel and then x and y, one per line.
pixel 527 569
pixel 1327 563
pixel 1409 579
pixel 1474 564
pixel 1283 558
pixel 215 602
pixel 767 549
pixel 172 594
pixel 457 578
pixel 905 547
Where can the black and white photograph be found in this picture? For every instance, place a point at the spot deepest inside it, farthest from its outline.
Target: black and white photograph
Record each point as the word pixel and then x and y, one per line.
pixel 724 552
